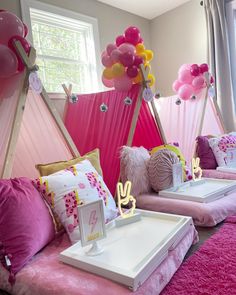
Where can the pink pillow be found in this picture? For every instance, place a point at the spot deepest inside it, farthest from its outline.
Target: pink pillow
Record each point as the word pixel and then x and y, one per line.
pixel 205 153
pixel 26 225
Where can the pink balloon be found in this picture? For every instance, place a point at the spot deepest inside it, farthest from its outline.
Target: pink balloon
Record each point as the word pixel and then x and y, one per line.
pixel 110 48
pixel 25 30
pixel 184 67
pixel 198 82
pixel 185 76
pixel 176 85
pixel 132 35
pixel 140 40
pixel 10 25
pixel 195 70
pixel 106 61
pixel 204 68
pixel 120 40
pixel 26 47
pixel 185 91
pixel 212 80
pixel 126 47
pixel 132 71
pixel 107 83
pixel 115 55
pixel 138 60
pixel 123 84
pixel 104 52
pixel 127 59
pixel 8 62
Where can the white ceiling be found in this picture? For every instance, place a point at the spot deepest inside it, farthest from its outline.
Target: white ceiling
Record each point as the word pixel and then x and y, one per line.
pixel 148 9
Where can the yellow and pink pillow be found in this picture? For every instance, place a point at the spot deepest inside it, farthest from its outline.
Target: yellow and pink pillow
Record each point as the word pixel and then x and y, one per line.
pixel 71 187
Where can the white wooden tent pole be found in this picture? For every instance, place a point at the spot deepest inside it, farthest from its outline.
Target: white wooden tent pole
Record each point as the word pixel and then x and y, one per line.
pixel 218 112
pixel 158 122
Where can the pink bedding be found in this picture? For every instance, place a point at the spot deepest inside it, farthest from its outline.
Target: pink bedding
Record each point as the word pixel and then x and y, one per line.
pixel 203 214
pixel 45 275
pixel 218 174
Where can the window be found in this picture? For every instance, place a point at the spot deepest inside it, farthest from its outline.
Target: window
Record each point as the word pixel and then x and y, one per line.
pixel 66 44
pixel 231 22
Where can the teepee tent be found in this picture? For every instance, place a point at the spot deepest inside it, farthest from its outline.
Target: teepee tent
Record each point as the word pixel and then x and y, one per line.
pixel 183 123
pixel 31 130
pixel 108 120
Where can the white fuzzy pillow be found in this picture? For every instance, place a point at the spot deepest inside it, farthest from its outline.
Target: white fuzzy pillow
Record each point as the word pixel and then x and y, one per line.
pixel 133 166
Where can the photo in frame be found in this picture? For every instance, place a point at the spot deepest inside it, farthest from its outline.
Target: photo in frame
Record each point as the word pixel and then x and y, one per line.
pixel 177 174
pixel 91 222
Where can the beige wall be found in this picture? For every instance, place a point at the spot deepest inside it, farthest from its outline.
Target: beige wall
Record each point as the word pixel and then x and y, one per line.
pixel 177 37
pixel 111 21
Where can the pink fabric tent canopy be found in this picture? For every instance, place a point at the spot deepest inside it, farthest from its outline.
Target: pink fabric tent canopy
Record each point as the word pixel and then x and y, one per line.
pixel 39 141
pixel 90 128
pixel 181 123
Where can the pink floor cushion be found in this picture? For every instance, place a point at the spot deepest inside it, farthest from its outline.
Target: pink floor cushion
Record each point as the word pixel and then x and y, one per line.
pixel 203 214
pixel 26 225
pixel 45 275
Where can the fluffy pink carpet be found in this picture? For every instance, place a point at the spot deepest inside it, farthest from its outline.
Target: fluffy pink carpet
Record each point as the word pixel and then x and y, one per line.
pixel 212 269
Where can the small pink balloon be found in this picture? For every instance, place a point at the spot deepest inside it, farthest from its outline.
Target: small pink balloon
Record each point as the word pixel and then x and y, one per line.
pixel 126 47
pixel 115 55
pixel 176 85
pixel 138 60
pixel 185 76
pixel 106 61
pixel 185 91
pixel 110 48
pixel 204 68
pixel 10 25
pixel 132 71
pixel 107 83
pixel 25 44
pixel 120 40
pixel 184 67
pixel 195 70
pixel 132 35
pixel 212 80
pixel 198 82
pixel 104 52
pixel 25 30
pixel 123 84
pixel 127 59
pixel 8 62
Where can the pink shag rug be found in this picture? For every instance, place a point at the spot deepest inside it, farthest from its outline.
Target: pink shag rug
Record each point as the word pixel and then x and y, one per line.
pixel 212 269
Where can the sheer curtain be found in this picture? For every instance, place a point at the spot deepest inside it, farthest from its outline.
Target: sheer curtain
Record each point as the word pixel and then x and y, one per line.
pixel 218 57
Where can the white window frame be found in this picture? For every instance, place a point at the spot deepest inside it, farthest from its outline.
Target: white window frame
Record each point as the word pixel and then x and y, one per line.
pixel 231 23
pixel 25 10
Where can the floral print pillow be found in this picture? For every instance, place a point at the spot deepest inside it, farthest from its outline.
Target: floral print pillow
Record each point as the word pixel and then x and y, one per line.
pixel 219 146
pixel 72 187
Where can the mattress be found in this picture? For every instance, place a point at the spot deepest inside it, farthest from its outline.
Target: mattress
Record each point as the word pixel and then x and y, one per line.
pixel 45 275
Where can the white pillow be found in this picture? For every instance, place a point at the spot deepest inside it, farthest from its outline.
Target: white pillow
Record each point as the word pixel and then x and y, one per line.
pixel 76 185
pixel 219 146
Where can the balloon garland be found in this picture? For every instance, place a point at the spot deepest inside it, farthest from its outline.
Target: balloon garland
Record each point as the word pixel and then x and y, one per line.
pixel 11 29
pixel 192 79
pixel 122 60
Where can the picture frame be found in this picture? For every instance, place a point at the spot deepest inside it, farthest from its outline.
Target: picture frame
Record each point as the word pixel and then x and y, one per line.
pixel 177 174
pixel 91 222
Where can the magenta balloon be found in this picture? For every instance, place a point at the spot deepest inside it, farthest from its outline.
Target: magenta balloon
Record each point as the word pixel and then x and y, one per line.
pixel 140 40
pixel 212 80
pixel 198 82
pixel 115 55
pixel 107 83
pixel 132 35
pixel 106 61
pixel 127 59
pixel 185 91
pixel 176 85
pixel 204 68
pixel 195 70
pixel 123 84
pixel 132 71
pixel 138 60
pixel 8 62
pixel 25 30
pixel 126 47
pixel 120 40
pixel 110 48
pixel 185 76
pixel 10 25
pixel 26 47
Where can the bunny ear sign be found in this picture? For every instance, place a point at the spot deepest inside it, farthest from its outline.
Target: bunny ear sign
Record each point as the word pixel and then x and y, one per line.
pixel 127 189
pixel 119 189
pixel 193 162
pixel 197 161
